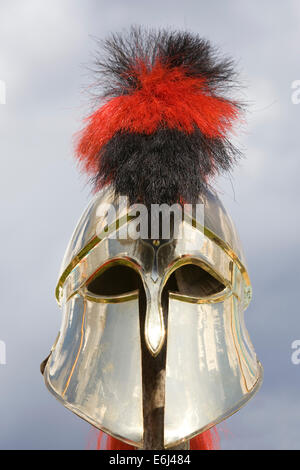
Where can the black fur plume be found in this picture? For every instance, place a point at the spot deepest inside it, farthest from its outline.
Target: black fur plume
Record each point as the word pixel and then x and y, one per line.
pixel 173 48
pixel 149 76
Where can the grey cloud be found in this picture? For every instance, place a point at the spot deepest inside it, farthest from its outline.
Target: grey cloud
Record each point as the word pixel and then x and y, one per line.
pixel 42 48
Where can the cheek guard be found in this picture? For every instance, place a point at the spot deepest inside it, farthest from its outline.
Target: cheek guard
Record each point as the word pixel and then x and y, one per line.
pixel 95 368
pixel 193 311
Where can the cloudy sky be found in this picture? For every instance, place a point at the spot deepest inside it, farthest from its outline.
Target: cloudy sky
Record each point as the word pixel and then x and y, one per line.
pixel 45 48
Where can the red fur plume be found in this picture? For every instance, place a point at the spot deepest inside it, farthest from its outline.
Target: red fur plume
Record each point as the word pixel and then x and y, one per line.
pixel 162 128
pixel 208 440
pixel 167 97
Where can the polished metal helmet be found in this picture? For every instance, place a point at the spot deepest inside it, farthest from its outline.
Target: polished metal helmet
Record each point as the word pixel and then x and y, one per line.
pixel 153 341
pixel 178 301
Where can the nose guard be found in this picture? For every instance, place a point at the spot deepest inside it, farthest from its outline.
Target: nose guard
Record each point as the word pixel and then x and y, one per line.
pixel 95 367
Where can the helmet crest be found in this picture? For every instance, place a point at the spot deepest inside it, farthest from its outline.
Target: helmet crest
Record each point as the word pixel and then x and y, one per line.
pixel 164 119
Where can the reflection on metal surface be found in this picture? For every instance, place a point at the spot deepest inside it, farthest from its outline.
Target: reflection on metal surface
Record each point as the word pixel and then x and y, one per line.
pixel 154 325
pixel 95 368
pixel 209 374
pixel 78 353
pixel 96 375
pixel 218 228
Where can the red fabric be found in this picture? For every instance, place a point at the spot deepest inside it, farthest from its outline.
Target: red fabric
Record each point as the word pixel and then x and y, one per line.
pixel 208 440
pixel 111 443
pixel 168 97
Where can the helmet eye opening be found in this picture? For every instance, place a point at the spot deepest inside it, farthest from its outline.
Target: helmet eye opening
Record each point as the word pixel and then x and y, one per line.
pixel 115 280
pixel 194 281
